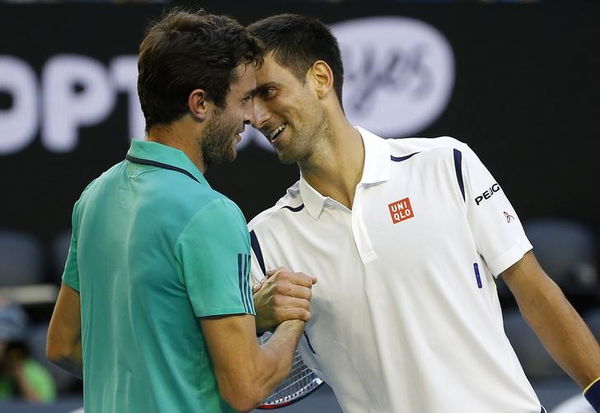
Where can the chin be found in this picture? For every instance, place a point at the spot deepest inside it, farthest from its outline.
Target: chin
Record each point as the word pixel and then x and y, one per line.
pixel 286 159
pixel 222 158
pixel 230 157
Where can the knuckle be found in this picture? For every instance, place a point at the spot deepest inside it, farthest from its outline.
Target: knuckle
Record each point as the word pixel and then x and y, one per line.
pixel 283 289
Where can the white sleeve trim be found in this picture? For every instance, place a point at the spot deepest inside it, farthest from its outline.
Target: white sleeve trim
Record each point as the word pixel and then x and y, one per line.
pixel 499 264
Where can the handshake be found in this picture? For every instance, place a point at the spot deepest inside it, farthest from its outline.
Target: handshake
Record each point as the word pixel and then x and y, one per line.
pixel 282 295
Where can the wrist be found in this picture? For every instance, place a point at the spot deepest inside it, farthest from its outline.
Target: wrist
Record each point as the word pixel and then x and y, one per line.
pixel 592 394
pixel 293 324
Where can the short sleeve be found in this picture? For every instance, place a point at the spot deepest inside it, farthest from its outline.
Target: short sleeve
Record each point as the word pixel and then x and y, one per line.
pixel 213 251
pixel 70 275
pixel 496 228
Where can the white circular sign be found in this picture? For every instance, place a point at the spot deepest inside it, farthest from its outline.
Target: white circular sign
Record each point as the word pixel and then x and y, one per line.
pixel 398 73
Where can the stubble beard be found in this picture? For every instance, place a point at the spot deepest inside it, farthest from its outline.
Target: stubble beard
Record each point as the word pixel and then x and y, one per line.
pixel 217 141
pixel 304 143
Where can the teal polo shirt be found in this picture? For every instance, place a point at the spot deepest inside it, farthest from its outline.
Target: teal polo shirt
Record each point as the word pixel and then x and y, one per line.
pixel 153 249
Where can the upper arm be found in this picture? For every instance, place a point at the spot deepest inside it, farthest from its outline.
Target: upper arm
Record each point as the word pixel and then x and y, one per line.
pixel 234 351
pixel 527 280
pixel 231 341
pixel 64 332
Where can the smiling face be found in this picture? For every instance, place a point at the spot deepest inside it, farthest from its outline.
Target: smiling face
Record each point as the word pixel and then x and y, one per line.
pixel 288 112
pixel 222 132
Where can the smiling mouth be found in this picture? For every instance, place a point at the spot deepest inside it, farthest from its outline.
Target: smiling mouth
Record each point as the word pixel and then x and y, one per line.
pixel 275 134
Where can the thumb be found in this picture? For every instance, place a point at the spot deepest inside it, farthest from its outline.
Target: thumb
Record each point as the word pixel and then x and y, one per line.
pixel 256 287
pixel 274 271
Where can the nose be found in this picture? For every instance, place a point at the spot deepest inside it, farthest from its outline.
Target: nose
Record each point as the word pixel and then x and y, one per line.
pixel 260 114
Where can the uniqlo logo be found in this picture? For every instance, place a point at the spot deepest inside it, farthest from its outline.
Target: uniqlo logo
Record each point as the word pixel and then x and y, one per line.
pixel 401 210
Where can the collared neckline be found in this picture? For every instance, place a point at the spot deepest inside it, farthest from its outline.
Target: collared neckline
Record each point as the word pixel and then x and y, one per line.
pixel 157 152
pixel 311 198
pixel 377 158
pixel 376 169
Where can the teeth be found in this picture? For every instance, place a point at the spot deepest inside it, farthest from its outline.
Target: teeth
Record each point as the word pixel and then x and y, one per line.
pixel 276 132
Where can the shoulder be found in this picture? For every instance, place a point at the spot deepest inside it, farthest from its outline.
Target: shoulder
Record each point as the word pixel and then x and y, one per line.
pixel 217 206
pixel 218 222
pixel 407 146
pixel 99 181
pixel 178 197
pixel 427 152
pixel 95 187
pixel 289 203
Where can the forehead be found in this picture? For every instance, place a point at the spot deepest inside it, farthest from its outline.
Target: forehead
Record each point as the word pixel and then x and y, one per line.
pixel 244 81
pixel 271 71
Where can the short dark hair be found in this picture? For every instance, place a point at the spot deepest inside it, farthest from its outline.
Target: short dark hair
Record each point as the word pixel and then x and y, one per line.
pixel 297 42
pixel 187 50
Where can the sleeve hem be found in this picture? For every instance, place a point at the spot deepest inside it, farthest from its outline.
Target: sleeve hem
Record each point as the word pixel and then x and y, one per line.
pixel 222 311
pixel 514 254
pixel 70 285
pixel 589 386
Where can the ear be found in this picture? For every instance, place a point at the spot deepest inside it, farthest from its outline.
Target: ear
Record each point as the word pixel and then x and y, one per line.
pixel 321 77
pixel 198 105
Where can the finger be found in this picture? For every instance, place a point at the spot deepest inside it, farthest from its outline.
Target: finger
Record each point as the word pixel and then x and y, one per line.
pixel 283 303
pixel 312 278
pixel 300 278
pixel 256 287
pixel 297 278
pixel 293 290
pixel 274 271
pixel 259 285
pixel 294 314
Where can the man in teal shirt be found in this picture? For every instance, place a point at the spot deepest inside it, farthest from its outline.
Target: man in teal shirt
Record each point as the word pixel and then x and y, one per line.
pixel 155 309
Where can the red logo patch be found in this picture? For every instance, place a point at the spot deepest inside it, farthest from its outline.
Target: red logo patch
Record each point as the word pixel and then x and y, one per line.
pixel 401 210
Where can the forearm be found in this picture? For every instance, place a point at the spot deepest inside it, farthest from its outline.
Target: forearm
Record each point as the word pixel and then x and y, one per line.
pixel 246 372
pixel 279 352
pixel 63 346
pixel 563 333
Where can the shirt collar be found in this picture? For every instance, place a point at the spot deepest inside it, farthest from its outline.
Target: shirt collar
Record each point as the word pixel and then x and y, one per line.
pixel 312 199
pixel 157 152
pixel 377 158
pixel 376 169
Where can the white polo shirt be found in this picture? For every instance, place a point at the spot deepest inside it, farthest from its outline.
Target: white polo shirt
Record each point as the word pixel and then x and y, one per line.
pixel 405 313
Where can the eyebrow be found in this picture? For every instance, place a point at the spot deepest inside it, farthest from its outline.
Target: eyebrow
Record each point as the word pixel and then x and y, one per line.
pixel 262 88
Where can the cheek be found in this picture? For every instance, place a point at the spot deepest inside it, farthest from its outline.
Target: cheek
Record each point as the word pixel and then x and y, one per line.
pixel 310 112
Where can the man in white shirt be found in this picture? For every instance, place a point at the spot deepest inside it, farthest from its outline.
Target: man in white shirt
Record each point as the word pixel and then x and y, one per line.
pixel 406 238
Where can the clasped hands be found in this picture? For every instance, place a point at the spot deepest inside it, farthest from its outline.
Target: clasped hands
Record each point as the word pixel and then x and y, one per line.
pixel 282 295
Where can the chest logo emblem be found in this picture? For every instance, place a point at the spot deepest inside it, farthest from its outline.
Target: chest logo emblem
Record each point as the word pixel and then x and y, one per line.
pixel 401 210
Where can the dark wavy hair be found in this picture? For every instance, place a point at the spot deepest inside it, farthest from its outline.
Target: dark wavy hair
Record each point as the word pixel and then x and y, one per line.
pixel 187 50
pixel 297 42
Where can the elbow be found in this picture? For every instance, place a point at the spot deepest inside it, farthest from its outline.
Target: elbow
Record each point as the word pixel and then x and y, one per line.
pixel 57 350
pixel 242 401
pixel 242 396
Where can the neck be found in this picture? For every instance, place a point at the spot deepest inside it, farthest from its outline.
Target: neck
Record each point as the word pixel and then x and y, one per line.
pixel 336 167
pixel 182 136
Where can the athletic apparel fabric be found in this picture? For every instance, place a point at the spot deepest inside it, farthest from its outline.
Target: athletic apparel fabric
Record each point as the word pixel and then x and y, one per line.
pixel 152 251
pixel 405 313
